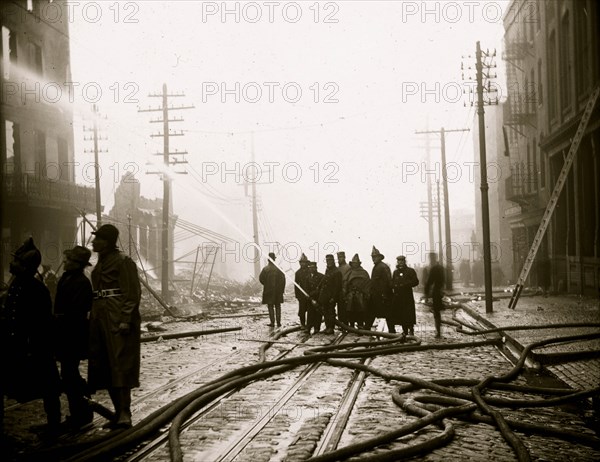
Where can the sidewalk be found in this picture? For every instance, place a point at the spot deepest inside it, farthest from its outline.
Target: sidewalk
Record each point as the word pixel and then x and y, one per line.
pixel 539 310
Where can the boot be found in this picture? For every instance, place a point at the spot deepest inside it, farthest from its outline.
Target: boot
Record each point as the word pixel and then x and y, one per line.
pixel 124 411
pixel 278 314
pixel 271 316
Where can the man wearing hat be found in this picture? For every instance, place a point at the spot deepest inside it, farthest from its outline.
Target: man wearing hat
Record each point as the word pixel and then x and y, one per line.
pixel 330 291
pixel 381 288
pixel 300 284
pixel 273 281
pixel 72 305
pixel 114 362
pixel 403 302
pixel 357 293
pixel 313 315
pixel 344 269
pixel 28 366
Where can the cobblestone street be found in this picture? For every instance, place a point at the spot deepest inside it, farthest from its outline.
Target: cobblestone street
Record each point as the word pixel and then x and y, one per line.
pixel 293 428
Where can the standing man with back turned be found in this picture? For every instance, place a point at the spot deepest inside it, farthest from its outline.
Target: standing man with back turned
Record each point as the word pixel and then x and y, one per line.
pixel 114 325
pixel 273 281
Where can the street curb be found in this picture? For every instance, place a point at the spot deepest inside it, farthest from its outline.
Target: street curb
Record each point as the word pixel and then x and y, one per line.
pixel 511 347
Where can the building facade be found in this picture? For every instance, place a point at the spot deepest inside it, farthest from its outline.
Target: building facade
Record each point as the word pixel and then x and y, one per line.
pixel 39 195
pixel 552 66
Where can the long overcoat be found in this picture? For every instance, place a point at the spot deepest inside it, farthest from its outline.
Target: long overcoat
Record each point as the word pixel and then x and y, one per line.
pixel 381 290
pixel 28 366
pixel 115 357
pixel 300 278
pixel 403 302
pixel 357 289
pixel 72 304
pixel 273 281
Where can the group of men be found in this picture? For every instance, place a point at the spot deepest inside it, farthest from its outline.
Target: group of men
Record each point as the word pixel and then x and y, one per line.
pixel 97 320
pixel 360 298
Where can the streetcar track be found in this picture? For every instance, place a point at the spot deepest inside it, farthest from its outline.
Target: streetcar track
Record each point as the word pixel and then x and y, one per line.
pixel 158 442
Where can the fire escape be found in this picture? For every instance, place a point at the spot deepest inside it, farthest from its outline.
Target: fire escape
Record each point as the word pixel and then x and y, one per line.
pixel 519 113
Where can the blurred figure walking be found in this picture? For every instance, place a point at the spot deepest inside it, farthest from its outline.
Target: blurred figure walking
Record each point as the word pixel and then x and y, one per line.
pixel 434 287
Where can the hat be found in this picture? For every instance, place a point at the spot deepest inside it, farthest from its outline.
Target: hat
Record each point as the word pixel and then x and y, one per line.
pixel 28 254
pixel 107 232
pixel 271 255
pixel 376 253
pixel 355 259
pixel 303 259
pixel 312 264
pixel 341 254
pixel 400 257
pixel 79 255
pixel 329 257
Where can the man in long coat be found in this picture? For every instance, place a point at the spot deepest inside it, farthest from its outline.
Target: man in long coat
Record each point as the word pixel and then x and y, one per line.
pixel 114 362
pixel 300 280
pixel 72 305
pixel 330 291
pixel 273 281
pixel 403 301
pixel 314 314
pixel 434 288
pixel 381 289
pixel 344 269
pixel 28 366
pixel 357 289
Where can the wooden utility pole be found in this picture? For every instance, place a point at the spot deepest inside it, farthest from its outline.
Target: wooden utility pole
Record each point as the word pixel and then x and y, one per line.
pixel 255 222
pixel 448 234
pixel 95 138
pixel 485 207
pixel 166 134
pixel 439 214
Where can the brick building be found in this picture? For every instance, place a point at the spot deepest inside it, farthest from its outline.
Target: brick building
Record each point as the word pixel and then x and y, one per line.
pixel 551 54
pixel 39 196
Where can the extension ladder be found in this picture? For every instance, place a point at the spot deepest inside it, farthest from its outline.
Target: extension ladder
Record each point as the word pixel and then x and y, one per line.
pixel 562 178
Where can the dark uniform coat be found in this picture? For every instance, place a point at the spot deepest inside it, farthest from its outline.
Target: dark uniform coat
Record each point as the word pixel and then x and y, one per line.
pixel 115 357
pixel 313 281
pixel 330 288
pixel 403 301
pixel 381 290
pixel 72 304
pixel 300 278
pixel 273 281
pixel 358 289
pixel 28 366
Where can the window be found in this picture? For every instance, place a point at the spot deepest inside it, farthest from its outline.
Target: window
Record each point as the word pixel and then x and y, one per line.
pixel 535 164
pixel 565 63
pixel 39 150
pixel 11 140
pixel 540 88
pixel 35 58
pixel 9 50
pixel 63 159
pixel 552 75
pixel 581 47
pixel 542 170
pixel 30 5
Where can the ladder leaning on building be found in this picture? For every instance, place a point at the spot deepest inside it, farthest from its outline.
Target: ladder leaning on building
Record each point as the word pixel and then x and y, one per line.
pixel 562 177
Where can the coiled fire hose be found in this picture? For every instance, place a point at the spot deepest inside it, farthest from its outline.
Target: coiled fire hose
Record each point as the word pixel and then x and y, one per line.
pixel 462 404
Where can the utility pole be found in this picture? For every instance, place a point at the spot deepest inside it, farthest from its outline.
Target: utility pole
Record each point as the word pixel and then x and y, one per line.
pixel 439 215
pixel 255 221
pixel 95 139
pixel 129 233
pixel 429 194
pixel 480 63
pixel 166 134
pixel 442 132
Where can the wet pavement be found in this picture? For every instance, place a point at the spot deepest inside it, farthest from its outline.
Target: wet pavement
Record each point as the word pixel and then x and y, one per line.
pixel 293 432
